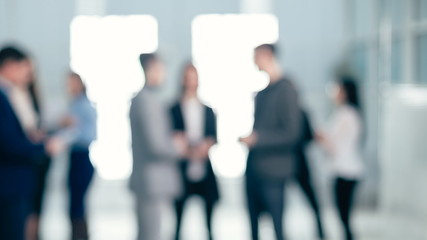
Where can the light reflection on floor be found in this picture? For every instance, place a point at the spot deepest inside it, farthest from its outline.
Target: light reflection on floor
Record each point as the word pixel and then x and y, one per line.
pixel 112 217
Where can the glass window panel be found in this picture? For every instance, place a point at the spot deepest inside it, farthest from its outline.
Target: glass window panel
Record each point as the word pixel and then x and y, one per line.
pixel 396 61
pixel 421 64
pixel 359 61
pixel 397 13
pixel 420 10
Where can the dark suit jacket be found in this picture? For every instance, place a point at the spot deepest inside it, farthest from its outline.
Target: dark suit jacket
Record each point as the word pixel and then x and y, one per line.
pixel 307 135
pixel 17 154
pixel 210 186
pixel 278 125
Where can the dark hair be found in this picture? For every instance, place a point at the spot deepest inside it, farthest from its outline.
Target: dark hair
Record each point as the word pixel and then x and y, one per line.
pixel 146 59
pixel 350 88
pixel 35 97
pixel 187 66
pixel 11 53
pixel 79 78
pixel 267 46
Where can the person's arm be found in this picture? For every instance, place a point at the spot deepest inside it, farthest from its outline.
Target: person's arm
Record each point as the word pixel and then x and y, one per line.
pixel 210 139
pixel 289 132
pixel 81 127
pixel 14 144
pixel 211 128
pixel 155 124
pixel 344 132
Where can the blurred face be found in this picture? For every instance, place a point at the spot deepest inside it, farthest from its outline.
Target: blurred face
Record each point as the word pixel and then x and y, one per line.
pixel 19 72
pixel 263 58
pixel 191 80
pixel 337 94
pixel 155 73
pixel 75 87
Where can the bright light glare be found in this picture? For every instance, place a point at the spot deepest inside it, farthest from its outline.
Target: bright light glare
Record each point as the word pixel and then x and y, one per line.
pixel 105 50
pixel 223 52
pixel 414 96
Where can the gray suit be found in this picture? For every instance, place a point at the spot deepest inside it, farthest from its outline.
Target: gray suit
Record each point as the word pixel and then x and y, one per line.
pixel 155 179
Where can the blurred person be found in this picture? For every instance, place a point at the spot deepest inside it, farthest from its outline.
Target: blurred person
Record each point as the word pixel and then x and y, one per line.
pixel 155 179
pixel 303 172
pixel 79 132
pixel 19 153
pixel 41 169
pixel 342 142
pixel 276 132
pixel 197 123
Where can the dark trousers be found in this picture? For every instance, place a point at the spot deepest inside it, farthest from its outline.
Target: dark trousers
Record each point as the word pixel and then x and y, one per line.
pixel 206 188
pixel 79 178
pixel 344 195
pixel 42 171
pixel 265 196
pixel 179 208
pixel 13 217
pixel 303 178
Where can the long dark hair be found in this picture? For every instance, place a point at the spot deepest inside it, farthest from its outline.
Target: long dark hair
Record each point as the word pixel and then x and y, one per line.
pixel 187 66
pixel 349 86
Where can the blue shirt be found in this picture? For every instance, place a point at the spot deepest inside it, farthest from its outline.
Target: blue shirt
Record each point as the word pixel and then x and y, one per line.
pixel 83 132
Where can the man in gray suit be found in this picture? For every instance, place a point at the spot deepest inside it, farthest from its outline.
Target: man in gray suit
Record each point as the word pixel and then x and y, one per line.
pixel 154 180
pixel 276 132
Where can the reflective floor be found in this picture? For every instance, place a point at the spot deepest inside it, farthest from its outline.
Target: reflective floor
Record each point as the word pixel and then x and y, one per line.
pixel 112 217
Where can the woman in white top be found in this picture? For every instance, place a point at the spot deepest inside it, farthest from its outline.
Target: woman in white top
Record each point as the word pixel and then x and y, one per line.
pixel 197 122
pixel 342 143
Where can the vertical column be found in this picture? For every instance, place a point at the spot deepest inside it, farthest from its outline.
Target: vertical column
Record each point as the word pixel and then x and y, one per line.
pixel 256 6
pixel 90 7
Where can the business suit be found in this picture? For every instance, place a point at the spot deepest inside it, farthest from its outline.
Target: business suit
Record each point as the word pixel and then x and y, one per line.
pixel 272 159
pixel 207 187
pixel 303 175
pixel 155 177
pixel 18 156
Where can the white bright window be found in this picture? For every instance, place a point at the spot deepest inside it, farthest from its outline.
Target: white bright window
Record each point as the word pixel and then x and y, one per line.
pixel 223 47
pixel 104 51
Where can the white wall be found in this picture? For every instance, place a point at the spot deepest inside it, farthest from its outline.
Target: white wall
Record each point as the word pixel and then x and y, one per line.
pixel 42 28
pixel 404 152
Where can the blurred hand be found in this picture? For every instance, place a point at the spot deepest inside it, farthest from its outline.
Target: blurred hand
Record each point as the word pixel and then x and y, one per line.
pixel 319 136
pixel 324 142
pixel 37 136
pixel 181 144
pixel 67 122
pixel 54 146
pixel 202 150
pixel 250 140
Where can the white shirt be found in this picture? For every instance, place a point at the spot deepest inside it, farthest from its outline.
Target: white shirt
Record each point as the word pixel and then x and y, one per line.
pixel 192 111
pixel 344 135
pixel 194 121
pixel 22 105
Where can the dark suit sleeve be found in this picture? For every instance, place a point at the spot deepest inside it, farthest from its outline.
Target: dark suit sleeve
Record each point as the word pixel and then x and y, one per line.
pixel 288 131
pixel 307 130
pixel 14 145
pixel 211 129
pixel 177 118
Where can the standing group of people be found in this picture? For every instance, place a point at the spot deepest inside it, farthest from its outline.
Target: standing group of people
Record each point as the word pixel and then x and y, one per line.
pixel 171 148
pixel 27 146
pixel 277 145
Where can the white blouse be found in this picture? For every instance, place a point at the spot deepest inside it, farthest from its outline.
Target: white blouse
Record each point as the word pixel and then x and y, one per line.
pixel 192 111
pixel 22 104
pixel 194 120
pixel 344 137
